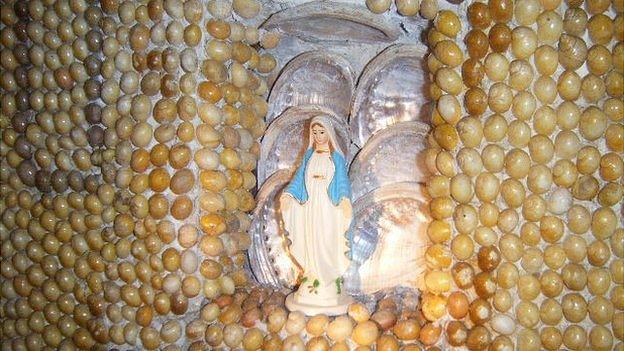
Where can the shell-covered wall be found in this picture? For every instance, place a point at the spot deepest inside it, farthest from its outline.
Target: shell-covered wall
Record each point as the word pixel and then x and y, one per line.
pixel 527 148
pixel 129 141
pixel 129 144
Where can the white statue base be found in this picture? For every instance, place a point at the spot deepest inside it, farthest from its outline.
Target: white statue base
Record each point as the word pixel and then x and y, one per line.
pixel 310 304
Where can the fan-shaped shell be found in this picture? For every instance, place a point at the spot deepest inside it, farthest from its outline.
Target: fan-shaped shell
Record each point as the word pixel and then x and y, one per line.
pixel 313 78
pixel 389 238
pixel 391 155
pixel 391 89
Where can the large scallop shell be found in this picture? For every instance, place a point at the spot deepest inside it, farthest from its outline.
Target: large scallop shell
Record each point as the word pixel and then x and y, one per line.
pixel 389 239
pixel 391 89
pixel 329 21
pixel 268 256
pixel 391 155
pixel 283 143
pixel 313 78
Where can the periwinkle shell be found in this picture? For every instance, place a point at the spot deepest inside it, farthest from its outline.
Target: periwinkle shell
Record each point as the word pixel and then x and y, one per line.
pixel 572 51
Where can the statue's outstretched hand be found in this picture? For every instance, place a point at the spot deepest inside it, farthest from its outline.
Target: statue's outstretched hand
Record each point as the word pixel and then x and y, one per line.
pixel 285 201
pixel 345 207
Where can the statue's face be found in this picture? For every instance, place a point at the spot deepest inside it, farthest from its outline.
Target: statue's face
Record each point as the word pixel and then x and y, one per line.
pixel 320 135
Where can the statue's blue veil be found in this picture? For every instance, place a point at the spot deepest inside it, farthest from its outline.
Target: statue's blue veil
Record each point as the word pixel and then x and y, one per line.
pixel 339 186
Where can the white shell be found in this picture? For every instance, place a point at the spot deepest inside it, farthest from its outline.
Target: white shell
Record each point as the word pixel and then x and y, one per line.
pixel 391 89
pixel 392 155
pixel 220 8
pixel 246 139
pixel 206 158
pixel 189 262
pixel 327 21
pixel 313 78
pixel 559 201
pixel 503 324
pixel 283 143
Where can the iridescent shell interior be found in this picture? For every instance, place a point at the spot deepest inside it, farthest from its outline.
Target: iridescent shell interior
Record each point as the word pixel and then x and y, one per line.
pixel 330 22
pixel 391 89
pixel 268 258
pixel 389 238
pixel 400 148
pixel 313 78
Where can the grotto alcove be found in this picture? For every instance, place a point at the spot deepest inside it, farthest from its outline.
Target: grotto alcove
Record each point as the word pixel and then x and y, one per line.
pixel 368 74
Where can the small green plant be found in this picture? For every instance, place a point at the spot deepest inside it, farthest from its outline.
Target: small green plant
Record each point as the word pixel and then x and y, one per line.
pixel 313 288
pixel 339 282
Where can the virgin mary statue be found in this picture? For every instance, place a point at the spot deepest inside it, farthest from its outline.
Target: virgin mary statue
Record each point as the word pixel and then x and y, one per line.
pixel 316 212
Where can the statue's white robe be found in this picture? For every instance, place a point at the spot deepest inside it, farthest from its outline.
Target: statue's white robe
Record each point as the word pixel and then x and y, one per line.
pixel 316 229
